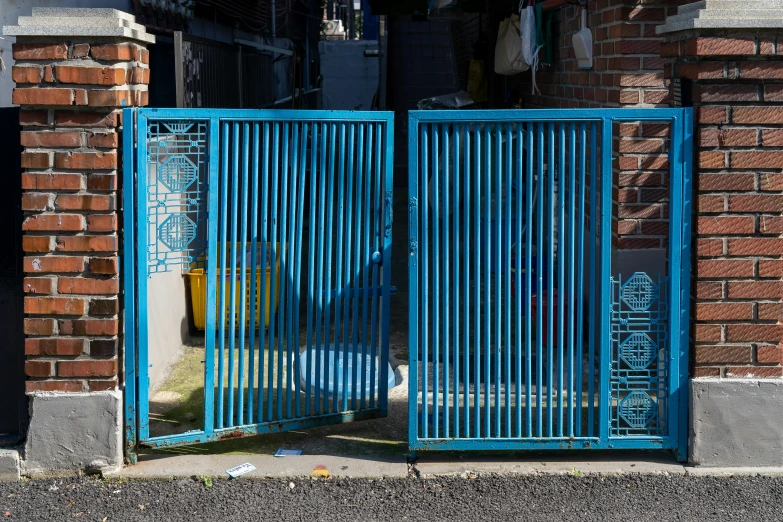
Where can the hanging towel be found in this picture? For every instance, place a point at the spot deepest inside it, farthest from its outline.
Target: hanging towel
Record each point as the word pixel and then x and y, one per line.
pixel 527 32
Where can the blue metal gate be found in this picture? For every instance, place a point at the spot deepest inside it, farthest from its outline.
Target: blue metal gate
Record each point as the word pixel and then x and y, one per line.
pixel 523 335
pixel 299 202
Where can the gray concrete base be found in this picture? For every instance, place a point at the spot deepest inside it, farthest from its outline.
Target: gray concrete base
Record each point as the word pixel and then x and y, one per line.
pixel 736 422
pixel 74 432
pixel 9 465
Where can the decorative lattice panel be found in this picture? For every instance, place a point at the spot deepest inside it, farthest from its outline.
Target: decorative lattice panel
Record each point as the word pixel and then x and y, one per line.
pixel 176 194
pixel 640 350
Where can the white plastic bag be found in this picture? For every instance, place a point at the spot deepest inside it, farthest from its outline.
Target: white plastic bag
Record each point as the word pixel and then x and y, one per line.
pixel 527 32
pixel 508 48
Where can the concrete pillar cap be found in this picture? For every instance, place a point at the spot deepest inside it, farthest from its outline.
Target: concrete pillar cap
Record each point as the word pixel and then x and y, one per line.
pixel 84 22
pixel 725 14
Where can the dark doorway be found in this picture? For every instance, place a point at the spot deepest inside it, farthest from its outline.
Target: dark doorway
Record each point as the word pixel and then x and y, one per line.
pixel 13 407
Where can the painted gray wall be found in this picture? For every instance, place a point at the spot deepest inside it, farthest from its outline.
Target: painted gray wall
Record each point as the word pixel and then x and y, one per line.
pixel 11 10
pixel 168 323
pixel 74 431
pixel 350 78
pixel 736 422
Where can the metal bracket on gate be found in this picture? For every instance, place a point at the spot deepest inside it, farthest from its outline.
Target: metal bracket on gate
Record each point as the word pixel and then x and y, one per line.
pixel 390 213
pixel 412 206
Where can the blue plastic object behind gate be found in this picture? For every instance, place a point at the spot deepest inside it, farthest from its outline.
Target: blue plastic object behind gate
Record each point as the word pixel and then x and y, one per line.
pixel 345 367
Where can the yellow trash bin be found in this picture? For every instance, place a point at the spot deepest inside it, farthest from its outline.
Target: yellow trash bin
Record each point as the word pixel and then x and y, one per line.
pixel 198 290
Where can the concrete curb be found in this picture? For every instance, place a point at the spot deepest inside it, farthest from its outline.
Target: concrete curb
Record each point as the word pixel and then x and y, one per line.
pixel 10 467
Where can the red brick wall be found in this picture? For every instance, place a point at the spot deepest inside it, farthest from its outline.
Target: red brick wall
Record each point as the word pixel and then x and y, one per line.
pixel 70 95
pixel 737 88
pixel 627 67
pixel 627 72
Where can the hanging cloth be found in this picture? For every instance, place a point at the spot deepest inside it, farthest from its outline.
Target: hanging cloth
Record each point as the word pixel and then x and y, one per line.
pixel 477 81
pixel 547 51
pixel 527 33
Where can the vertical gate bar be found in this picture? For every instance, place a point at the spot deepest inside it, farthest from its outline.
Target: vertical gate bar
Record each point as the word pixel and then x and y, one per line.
pixel 478 173
pixel 497 192
pixel 222 274
pixel 436 198
pixel 518 281
pixel 142 259
pixel 366 268
pixel 446 281
pixel 686 230
pixel 593 176
pixel 550 301
pixel 300 199
pixel 243 272
pixel 132 273
pixel 580 274
pixel 388 173
pixel 345 284
pixel 466 395
pixel 487 179
pixel 273 276
pixel 376 274
pixel 530 180
pixel 336 377
pixel 507 315
pixel 508 241
pixel 676 172
pixel 604 294
pixel 349 258
pixel 341 379
pixel 570 285
pixel 254 269
pixel 311 249
pixel 540 280
pixel 424 248
pixel 326 289
pixel 231 280
pixel 264 308
pixel 414 277
pixel 291 255
pixel 321 369
pixel 357 260
pixel 561 262
pixel 457 281
pixel 284 256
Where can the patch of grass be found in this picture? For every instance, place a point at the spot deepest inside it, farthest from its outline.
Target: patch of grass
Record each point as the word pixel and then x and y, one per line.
pixel 180 403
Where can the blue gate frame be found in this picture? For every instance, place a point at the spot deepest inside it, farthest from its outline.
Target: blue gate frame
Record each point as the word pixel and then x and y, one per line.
pixel 610 373
pixel 184 173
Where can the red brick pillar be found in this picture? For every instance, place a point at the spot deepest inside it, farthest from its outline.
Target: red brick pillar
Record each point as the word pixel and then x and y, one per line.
pixel 71 93
pixel 735 79
pixel 71 88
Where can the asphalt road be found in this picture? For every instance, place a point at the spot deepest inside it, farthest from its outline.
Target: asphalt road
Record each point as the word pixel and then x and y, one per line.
pixel 501 498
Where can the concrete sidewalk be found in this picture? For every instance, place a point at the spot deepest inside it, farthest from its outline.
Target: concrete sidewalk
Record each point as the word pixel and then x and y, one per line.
pixel 167 466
